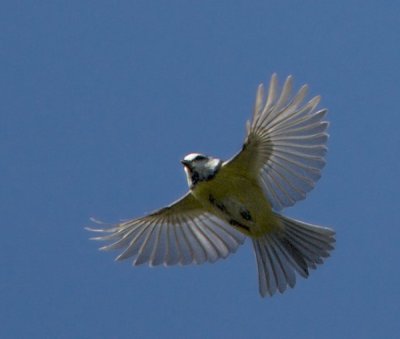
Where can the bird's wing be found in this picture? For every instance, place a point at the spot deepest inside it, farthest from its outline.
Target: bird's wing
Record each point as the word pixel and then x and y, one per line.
pixel 181 233
pixel 285 144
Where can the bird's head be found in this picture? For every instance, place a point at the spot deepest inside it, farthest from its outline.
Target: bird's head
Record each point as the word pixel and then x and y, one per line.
pixel 199 167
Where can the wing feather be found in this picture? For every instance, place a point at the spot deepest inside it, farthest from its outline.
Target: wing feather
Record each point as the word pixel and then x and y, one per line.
pixel 182 233
pixel 285 144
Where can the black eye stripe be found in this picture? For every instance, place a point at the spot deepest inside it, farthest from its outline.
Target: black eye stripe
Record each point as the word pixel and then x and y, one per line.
pixel 199 157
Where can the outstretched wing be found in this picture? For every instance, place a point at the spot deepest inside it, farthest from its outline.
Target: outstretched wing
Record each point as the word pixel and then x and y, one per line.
pixel 182 233
pixel 285 144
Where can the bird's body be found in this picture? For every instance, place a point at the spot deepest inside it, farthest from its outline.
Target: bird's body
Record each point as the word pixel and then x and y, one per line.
pixel 280 161
pixel 249 211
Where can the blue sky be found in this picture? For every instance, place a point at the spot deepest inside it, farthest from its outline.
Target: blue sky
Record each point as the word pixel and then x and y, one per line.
pixel 99 101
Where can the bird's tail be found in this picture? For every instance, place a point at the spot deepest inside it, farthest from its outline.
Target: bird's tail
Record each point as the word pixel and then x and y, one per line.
pixel 295 248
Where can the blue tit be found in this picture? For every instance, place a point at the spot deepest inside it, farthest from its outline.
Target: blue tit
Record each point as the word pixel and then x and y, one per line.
pixel 280 161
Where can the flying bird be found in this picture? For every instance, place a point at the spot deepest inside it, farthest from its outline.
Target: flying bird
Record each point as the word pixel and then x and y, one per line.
pixel 280 161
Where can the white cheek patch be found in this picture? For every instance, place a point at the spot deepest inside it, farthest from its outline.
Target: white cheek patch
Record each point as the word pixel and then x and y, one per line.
pixel 213 165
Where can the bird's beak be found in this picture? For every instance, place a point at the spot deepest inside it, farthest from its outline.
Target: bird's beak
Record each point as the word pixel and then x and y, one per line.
pixel 185 163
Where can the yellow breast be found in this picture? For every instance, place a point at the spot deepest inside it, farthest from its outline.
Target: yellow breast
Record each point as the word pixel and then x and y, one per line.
pixel 238 200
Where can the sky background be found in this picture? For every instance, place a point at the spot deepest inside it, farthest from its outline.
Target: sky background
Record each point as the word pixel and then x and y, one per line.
pixel 99 100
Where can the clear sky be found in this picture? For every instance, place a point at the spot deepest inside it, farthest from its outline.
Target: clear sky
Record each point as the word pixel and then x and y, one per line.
pixel 99 100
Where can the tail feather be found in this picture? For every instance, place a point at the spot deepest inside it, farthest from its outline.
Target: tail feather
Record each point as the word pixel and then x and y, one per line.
pixel 297 248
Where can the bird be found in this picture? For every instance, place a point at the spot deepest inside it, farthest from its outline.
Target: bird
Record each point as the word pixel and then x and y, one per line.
pixel 228 201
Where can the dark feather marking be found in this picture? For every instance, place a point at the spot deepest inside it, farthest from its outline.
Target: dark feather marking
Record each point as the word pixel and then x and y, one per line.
pixel 217 204
pixel 238 224
pixel 195 178
pixel 246 215
pixel 223 209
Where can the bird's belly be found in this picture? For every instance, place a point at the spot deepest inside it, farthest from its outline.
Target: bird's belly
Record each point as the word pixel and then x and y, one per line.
pixel 239 202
